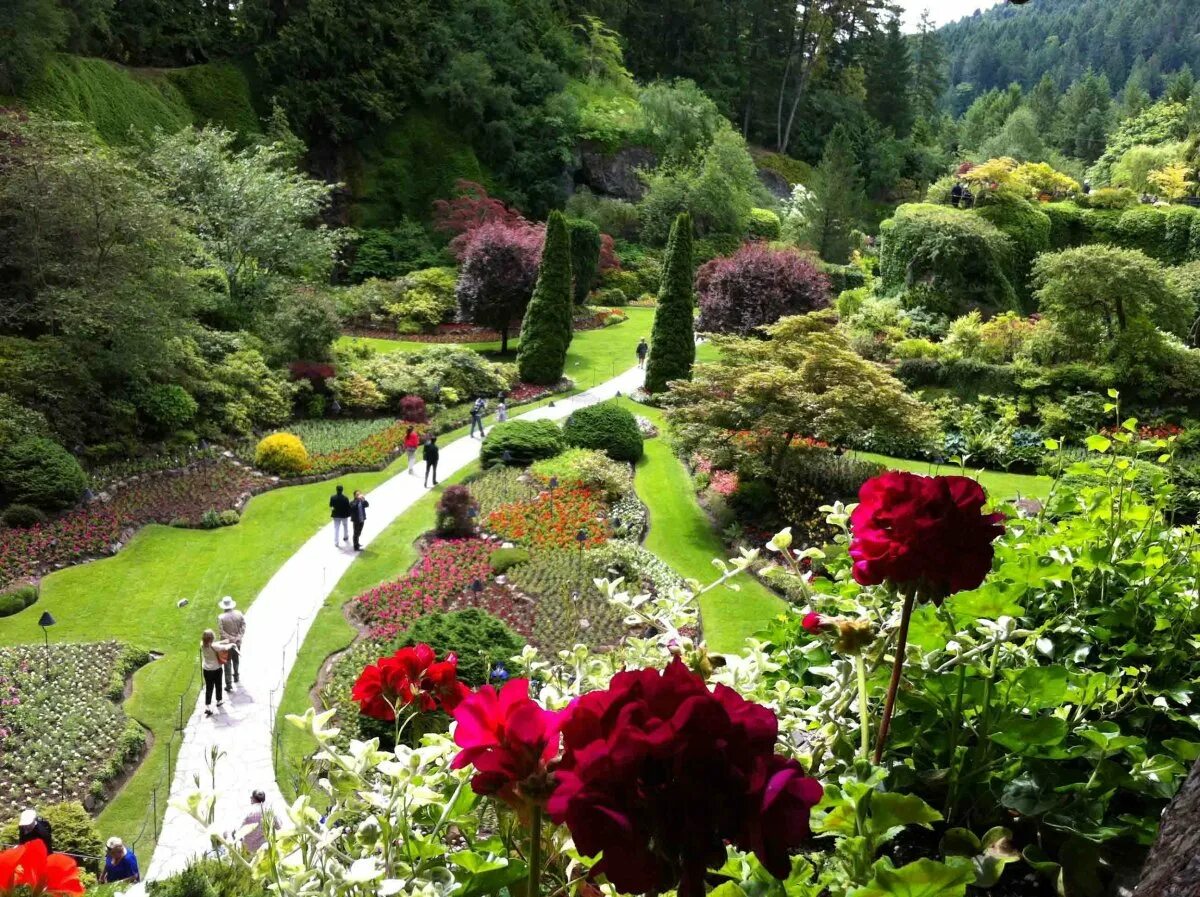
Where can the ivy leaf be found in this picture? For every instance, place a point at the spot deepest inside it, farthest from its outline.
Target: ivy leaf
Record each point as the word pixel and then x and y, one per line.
pixel 924 878
pixel 1025 735
pixel 892 811
pixel 484 875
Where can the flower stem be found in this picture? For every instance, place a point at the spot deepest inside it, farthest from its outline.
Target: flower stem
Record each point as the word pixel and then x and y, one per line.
pixel 897 669
pixel 535 853
pixel 864 718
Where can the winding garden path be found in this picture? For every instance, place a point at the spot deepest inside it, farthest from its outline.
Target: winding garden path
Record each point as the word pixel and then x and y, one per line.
pixel 276 623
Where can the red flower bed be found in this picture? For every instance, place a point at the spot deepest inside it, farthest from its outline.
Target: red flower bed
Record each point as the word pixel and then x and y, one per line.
pixel 553 519
pixel 526 392
pixel 1150 431
pixel 373 451
pixel 93 530
pixel 446 570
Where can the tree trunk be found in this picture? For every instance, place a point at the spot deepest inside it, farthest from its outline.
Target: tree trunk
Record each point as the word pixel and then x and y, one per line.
pixel 504 340
pixel 1173 867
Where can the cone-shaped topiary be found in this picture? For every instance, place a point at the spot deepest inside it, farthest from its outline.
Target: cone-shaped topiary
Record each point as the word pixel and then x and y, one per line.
pixel 672 342
pixel 585 256
pixel 546 331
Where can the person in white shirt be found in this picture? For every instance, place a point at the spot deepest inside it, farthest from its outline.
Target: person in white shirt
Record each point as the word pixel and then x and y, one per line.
pixel 213 655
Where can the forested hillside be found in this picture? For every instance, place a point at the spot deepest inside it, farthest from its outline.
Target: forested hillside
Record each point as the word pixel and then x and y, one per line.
pixel 1127 41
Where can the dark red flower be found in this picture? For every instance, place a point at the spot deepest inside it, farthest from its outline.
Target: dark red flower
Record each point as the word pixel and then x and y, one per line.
pixel 658 773
pixel 510 740
pixel 409 676
pixel 925 531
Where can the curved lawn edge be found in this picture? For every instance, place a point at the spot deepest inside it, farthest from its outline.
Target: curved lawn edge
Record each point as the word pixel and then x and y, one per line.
pixel 1000 485
pixel 682 536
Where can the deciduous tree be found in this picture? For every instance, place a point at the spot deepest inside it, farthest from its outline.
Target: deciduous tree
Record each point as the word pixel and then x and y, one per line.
pixel 497 276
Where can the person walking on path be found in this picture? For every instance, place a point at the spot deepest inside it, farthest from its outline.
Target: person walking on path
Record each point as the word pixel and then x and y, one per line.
pixel 477 412
pixel 257 836
pixel 643 349
pixel 411 442
pixel 341 516
pixel 431 459
pixel 32 827
pixel 232 627
pixel 120 864
pixel 358 516
pixel 213 655
pixel 502 412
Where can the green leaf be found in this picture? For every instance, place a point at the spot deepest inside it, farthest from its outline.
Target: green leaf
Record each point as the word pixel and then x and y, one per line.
pixel 924 878
pixel 891 811
pixel 1098 443
pixel 1020 733
pixel 1187 751
pixel 727 889
pixel 484 875
pixel 1038 688
pixel 1113 394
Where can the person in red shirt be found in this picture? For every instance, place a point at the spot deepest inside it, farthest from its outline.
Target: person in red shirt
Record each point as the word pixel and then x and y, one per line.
pixel 411 442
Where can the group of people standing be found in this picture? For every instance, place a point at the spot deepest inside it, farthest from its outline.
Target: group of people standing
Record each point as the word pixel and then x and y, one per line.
pixel 120 862
pixel 221 658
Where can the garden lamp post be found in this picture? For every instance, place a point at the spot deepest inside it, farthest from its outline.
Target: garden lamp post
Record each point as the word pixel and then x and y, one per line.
pixel 506 457
pixel 476 589
pixel 472 513
pixel 46 622
pixel 553 484
pixel 580 539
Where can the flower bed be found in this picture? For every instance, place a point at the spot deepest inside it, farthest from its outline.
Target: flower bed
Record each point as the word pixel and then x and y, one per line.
pixel 97 529
pixel 553 519
pixel 63 734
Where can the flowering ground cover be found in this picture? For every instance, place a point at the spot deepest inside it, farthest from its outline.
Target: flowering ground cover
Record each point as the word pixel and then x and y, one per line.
pixel 553 519
pixel 63 733
pixel 97 528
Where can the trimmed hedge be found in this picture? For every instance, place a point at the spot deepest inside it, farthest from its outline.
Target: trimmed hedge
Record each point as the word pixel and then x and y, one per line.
pixel 22 516
pixel 74 831
pixel 606 427
pixel 526 441
pixel 1028 228
pixel 504 559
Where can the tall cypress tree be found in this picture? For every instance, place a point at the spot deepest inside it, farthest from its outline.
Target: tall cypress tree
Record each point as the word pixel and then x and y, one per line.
pixel 585 256
pixel 672 341
pixel 546 330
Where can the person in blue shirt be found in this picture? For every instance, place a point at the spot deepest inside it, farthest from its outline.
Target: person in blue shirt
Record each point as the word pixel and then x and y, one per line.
pixel 120 864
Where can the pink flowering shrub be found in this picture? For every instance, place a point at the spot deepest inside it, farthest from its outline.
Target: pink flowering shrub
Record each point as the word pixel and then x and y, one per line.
pixel 757 286
pixel 723 482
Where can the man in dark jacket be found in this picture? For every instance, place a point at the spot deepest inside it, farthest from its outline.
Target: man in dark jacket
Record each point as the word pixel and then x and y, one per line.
pixel 431 459
pixel 341 516
pixel 358 515
pixel 32 827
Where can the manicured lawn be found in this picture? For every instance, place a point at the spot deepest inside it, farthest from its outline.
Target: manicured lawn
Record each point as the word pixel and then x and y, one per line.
pixel 681 534
pixel 999 484
pixel 594 356
pixel 384 559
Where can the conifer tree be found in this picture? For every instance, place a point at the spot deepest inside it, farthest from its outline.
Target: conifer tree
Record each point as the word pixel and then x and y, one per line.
pixel 672 341
pixel 840 199
pixel 546 330
pixel 890 80
pixel 585 256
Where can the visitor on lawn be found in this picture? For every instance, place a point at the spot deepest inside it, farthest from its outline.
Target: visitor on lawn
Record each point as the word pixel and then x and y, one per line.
pixel 232 626
pixel 120 864
pixel 341 516
pixel 411 443
pixel 257 836
pixel 358 515
pixel 32 827
pixel 213 656
pixel 643 348
pixel 502 412
pixel 477 412
pixel 431 459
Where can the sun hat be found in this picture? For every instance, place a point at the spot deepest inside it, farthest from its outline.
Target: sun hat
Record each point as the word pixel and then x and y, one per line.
pixel 28 817
pixel 115 842
pixel 227 603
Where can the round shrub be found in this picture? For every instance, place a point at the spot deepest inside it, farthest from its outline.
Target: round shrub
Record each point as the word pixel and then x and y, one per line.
pixel 587 467
pixel 757 286
pixel 504 559
pixel 480 640
pixel 230 517
pixel 282 454
pixel 607 427
pixel 22 516
pixel 40 472
pixel 17 598
pixel 454 513
pixel 10 604
pixel 169 406
pixel 525 441
pixel 763 224
pixel 413 410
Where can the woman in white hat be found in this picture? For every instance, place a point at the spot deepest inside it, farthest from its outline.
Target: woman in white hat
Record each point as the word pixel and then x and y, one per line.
pixel 232 627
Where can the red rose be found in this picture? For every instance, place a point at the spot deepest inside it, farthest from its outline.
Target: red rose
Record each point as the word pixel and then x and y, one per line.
pixel 658 773
pixel 925 531
pixel 408 676
pixel 510 740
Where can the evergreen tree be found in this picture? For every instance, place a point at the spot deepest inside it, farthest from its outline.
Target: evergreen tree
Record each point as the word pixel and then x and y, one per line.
pixel 1086 116
pixel 546 330
pixel 1180 86
pixel 1136 95
pixel 585 256
pixel 1043 102
pixel 672 341
pixel 838 190
pixel 929 69
pixel 889 80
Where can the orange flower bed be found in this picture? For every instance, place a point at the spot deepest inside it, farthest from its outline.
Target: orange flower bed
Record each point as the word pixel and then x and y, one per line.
pixel 553 520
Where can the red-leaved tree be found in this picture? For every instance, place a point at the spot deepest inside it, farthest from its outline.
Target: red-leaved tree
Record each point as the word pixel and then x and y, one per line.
pixel 608 254
pixel 757 286
pixel 499 269
pixel 471 207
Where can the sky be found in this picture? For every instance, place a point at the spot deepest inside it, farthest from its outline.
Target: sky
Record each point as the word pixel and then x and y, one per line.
pixel 942 11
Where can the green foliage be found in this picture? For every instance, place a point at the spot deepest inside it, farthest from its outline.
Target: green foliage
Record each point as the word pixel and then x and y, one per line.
pixel 208 877
pixel 388 253
pixel 609 114
pixel 22 516
pixel 480 640
pixel 587 467
pixel 415 303
pixel 615 217
pixel 504 559
pixel 1163 122
pixel 15 599
pixel 1029 230
pixel 763 225
pixel 683 122
pixel 585 257
pixel 607 427
pixel 672 341
pixel 40 472
pixel 525 441
pixel 169 406
pixel 546 330
pixel 1144 228
pixel 218 94
pixel 946 260
pixel 32 30
pixel 791 170
pixel 1107 198
pixel 838 200
pixel 430 374
pixel 74 830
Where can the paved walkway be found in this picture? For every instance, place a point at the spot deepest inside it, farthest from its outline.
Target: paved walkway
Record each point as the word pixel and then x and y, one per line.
pixel 276 624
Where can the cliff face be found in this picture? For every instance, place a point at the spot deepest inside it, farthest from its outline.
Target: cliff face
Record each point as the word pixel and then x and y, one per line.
pixel 614 173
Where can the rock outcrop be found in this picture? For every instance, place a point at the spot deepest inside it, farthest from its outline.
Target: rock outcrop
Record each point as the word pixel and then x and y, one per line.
pixel 617 173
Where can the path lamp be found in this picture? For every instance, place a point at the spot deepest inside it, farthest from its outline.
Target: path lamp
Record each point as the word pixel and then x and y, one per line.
pixel 553 484
pixel 46 622
pixel 506 457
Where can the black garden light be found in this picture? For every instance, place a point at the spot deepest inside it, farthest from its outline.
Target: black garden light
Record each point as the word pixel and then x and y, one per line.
pixel 46 621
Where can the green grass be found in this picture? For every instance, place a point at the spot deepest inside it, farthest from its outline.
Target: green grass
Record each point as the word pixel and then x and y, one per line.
pixel 594 356
pixel 386 558
pixel 682 535
pixel 999 484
